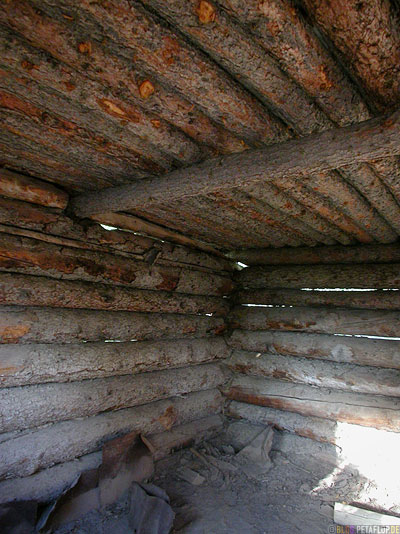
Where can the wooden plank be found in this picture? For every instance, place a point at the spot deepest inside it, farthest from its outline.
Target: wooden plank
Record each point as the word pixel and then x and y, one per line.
pixel 58 325
pixel 136 224
pixel 21 187
pixel 313 255
pixel 315 428
pixel 344 514
pixel 369 276
pixel 360 351
pixel 380 300
pixel 39 291
pixel 355 408
pixel 320 321
pixel 54 362
pixel 67 440
pixel 24 255
pixel 373 139
pixel 317 373
pixel 46 403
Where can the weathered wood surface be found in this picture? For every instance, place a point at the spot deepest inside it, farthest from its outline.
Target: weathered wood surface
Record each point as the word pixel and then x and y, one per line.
pixel 25 188
pixel 314 255
pixel 18 289
pixel 368 276
pixel 356 408
pixel 48 224
pixel 30 452
pixel 32 406
pixel 321 321
pixel 380 300
pixel 320 152
pixel 345 514
pixel 185 435
pixel 361 351
pixel 52 362
pixel 316 428
pixel 325 374
pixel 25 255
pixel 50 325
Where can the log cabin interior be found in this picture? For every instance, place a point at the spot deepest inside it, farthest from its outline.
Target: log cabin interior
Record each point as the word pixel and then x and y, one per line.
pixel 199 266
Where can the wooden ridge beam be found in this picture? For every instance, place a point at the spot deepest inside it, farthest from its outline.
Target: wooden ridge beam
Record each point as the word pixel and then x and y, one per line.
pixel 372 139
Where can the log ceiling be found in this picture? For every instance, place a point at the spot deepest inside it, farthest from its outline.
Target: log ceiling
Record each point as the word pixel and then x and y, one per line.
pixel 95 95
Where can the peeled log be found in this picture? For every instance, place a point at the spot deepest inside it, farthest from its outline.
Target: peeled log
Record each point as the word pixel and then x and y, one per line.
pixel 39 291
pixel 380 300
pixel 356 408
pixel 31 256
pixel 32 406
pixel 327 374
pixel 37 364
pixel 51 325
pixel 31 190
pixel 369 276
pixel 313 255
pixel 33 451
pixel 360 351
pixel 322 321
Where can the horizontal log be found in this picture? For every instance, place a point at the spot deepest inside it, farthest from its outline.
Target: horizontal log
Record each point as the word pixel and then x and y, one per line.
pixel 321 321
pixel 39 291
pixel 379 300
pixel 327 374
pixel 30 452
pixel 21 187
pixel 50 325
pixel 313 255
pixel 355 408
pixel 320 152
pixel 56 227
pixel 36 364
pixel 368 276
pixel 32 406
pixel 315 428
pixel 164 443
pixel 31 256
pixel 360 351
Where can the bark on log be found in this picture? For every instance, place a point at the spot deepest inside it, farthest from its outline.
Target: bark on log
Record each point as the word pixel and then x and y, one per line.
pixel 39 291
pixel 315 428
pixel 307 255
pixel 320 152
pixel 24 255
pixel 32 406
pixel 321 321
pixel 379 300
pixel 327 374
pixel 21 187
pixel 370 276
pixel 355 408
pixel 49 226
pixel 35 364
pixel 360 351
pixel 49 325
pixel 30 452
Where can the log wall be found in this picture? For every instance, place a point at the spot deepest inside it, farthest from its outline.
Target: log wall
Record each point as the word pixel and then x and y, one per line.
pixel 315 339
pixel 101 333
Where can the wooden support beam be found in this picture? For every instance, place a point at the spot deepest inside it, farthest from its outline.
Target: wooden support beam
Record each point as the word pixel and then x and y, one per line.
pixel 314 255
pixel 45 403
pixel 30 452
pixel 21 187
pixel 320 321
pixel 361 351
pixel 356 408
pixel 373 139
pixel 327 374
pixel 53 362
